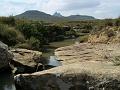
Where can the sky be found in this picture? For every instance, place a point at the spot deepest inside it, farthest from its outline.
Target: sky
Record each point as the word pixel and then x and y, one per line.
pixel 97 8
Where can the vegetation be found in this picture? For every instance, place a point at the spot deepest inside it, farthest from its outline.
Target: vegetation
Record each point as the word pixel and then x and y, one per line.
pixel 31 34
pixel 10 36
pixel 35 34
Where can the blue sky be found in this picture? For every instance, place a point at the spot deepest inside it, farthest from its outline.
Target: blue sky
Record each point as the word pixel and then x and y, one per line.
pixel 96 8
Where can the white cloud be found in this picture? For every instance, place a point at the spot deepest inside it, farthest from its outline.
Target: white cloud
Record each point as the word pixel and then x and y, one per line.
pixel 97 8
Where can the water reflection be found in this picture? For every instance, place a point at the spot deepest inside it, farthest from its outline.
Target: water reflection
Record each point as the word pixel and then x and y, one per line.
pixel 6 81
pixel 53 61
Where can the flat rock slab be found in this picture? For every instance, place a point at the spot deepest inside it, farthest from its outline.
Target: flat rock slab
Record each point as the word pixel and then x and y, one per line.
pixel 25 60
pixel 82 76
pixel 85 67
pixel 87 52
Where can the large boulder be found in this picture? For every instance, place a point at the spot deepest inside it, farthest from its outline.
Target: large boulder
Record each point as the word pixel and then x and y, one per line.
pixel 84 67
pixel 5 56
pixel 26 61
pixel 82 76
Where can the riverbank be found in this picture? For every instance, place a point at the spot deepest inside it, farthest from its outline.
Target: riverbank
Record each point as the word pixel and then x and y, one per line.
pixel 85 66
pixel 84 52
pixel 23 60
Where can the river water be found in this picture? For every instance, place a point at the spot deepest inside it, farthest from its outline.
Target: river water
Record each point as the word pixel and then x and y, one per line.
pixel 6 79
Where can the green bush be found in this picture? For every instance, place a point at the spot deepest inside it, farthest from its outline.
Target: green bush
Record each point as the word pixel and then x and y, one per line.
pixel 108 22
pixel 34 43
pixel 117 22
pixel 10 36
pixel 23 45
pixel 83 38
pixel 8 20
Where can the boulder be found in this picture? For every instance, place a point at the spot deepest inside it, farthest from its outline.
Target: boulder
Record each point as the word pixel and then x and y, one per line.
pixel 5 56
pixel 26 61
pixel 43 82
pixel 85 66
pixel 83 76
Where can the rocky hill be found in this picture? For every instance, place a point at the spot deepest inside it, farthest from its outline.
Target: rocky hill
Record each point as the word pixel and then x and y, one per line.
pixel 105 35
pixel 37 15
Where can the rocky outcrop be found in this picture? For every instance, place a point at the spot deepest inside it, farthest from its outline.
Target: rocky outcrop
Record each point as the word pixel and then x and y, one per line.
pixel 105 35
pixel 5 56
pixel 84 52
pixel 85 66
pixel 26 61
pixel 82 76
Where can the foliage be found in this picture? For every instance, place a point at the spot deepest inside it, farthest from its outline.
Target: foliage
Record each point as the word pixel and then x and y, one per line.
pixel 83 39
pixel 117 22
pixel 34 43
pixel 110 33
pixel 8 20
pixel 34 34
pixel 10 36
pixel 108 22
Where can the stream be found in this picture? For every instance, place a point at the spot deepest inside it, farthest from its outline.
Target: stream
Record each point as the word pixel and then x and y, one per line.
pixel 6 79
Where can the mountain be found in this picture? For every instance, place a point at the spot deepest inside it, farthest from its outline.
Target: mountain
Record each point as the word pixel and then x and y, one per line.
pixel 38 15
pixel 80 17
pixel 57 14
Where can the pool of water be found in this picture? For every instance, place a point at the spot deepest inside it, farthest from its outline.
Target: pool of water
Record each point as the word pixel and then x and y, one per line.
pixel 51 59
pixel 49 49
pixel 6 81
pixel 54 62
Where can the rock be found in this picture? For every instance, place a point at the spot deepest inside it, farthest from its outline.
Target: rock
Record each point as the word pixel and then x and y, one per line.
pixel 5 56
pixel 84 76
pixel 26 61
pixel 43 82
pixel 84 67
pixel 84 52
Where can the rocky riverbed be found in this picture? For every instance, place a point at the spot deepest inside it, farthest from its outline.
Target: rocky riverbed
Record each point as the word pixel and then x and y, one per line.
pixel 85 67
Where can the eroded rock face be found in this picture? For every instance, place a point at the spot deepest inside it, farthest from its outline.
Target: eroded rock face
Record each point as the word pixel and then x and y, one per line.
pixel 84 76
pixel 5 56
pixel 26 61
pixel 43 82
pixel 84 67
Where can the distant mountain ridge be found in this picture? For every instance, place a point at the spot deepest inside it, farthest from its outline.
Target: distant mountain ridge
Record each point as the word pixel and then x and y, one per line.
pixel 38 15
pixel 57 14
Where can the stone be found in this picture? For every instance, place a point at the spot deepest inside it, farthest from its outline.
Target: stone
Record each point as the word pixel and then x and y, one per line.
pixel 5 56
pixel 26 61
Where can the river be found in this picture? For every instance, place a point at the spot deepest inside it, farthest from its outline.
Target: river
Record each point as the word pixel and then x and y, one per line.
pixel 6 79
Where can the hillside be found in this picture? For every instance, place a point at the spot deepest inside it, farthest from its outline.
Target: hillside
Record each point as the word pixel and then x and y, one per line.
pixel 80 17
pixel 37 15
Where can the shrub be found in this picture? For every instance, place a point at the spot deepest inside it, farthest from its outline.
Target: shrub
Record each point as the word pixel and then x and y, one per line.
pixel 110 33
pixel 83 38
pixel 8 20
pixel 34 43
pixel 10 36
pixel 117 22
pixel 23 45
pixel 108 22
